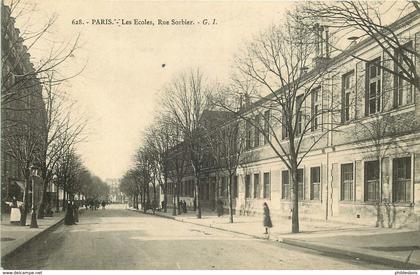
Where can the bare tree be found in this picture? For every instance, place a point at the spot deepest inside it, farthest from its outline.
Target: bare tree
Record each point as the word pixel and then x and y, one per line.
pixel 187 97
pixel 23 141
pixel 226 143
pixel 18 72
pixel 61 131
pixel 367 20
pixel 280 100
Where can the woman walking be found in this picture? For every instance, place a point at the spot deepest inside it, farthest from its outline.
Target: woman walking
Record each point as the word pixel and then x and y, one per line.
pixel 267 218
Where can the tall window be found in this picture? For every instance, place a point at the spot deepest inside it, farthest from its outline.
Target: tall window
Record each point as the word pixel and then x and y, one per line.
pixel 248 135
pixel 347 182
pixel 315 183
pixel 401 179
pixel 285 194
pixel 267 187
pixel 247 186
pixel 315 108
pixel 235 187
pixel 300 183
pixel 284 132
pixel 266 126
pixel 256 185
pixel 372 191
pixel 373 94
pixel 256 131
pixel 347 83
pixel 299 108
pixel 403 92
pixel 222 191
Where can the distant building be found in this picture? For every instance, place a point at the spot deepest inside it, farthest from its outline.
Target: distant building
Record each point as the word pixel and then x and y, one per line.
pixel 116 196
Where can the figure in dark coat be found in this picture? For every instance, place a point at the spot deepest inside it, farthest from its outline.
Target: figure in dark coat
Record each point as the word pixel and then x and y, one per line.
pixel 267 218
pixel 219 207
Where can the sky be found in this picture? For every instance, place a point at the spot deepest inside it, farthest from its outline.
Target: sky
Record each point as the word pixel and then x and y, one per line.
pixel 118 89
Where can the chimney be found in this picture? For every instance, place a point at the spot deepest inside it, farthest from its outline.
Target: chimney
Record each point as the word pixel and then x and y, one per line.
pixel 322 48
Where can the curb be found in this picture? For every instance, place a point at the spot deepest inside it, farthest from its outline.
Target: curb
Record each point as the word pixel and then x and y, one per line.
pixel 326 249
pixel 354 254
pixel 203 225
pixel 33 238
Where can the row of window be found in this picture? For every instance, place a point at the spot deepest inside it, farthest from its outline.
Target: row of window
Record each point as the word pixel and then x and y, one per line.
pixel 253 134
pixel 315 184
pixel 401 183
pixel 402 89
pixel 256 192
pixel 401 180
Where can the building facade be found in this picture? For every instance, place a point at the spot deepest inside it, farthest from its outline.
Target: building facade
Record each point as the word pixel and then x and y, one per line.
pixel 365 170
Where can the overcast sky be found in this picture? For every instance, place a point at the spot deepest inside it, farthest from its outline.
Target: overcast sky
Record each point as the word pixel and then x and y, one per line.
pixel 118 88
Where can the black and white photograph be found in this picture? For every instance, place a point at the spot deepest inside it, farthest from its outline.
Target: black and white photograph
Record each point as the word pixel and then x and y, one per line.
pixel 155 135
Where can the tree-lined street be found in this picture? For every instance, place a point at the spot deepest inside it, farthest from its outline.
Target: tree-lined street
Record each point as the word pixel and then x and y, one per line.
pixel 121 239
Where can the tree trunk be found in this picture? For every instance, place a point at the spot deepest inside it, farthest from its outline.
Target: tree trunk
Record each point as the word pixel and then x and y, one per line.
pixel 198 198
pixel 57 202
pixel 295 198
pixel 174 203
pixel 42 201
pixel 230 199
pixel 64 199
pixel 25 201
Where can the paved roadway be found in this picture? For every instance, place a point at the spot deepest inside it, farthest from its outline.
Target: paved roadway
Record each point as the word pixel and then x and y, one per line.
pixel 123 239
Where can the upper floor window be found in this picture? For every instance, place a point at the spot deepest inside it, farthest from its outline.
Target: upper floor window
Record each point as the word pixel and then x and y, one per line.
pixel 266 126
pixel 346 95
pixel 256 131
pixel 299 108
pixel 248 135
pixel 284 131
pixel 315 108
pixel 403 90
pixel 373 84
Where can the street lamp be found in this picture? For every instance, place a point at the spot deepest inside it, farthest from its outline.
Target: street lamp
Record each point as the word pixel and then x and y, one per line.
pixel 34 172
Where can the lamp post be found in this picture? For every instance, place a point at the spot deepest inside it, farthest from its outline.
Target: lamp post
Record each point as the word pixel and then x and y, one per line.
pixel 34 172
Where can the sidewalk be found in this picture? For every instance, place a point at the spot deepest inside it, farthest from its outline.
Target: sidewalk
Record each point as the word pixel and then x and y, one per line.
pixel 399 248
pixel 14 237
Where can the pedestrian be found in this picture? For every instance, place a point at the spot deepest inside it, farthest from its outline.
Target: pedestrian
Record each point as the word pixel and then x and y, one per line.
pixel 219 207
pixel 103 205
pixel 267 218
pixel 184 206
pixel 69 218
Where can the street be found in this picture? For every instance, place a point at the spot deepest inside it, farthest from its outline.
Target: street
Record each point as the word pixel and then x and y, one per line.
pixel 122 239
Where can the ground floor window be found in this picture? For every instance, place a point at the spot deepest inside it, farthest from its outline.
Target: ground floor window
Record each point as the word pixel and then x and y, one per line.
pixel 285 185
pixel 248 186
pixel 372 190
pixel 267 187
pixel 315 183
pixel 235 187
pixel 300 183
pixel 401 179
pixel 256 185
pixel 347 182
